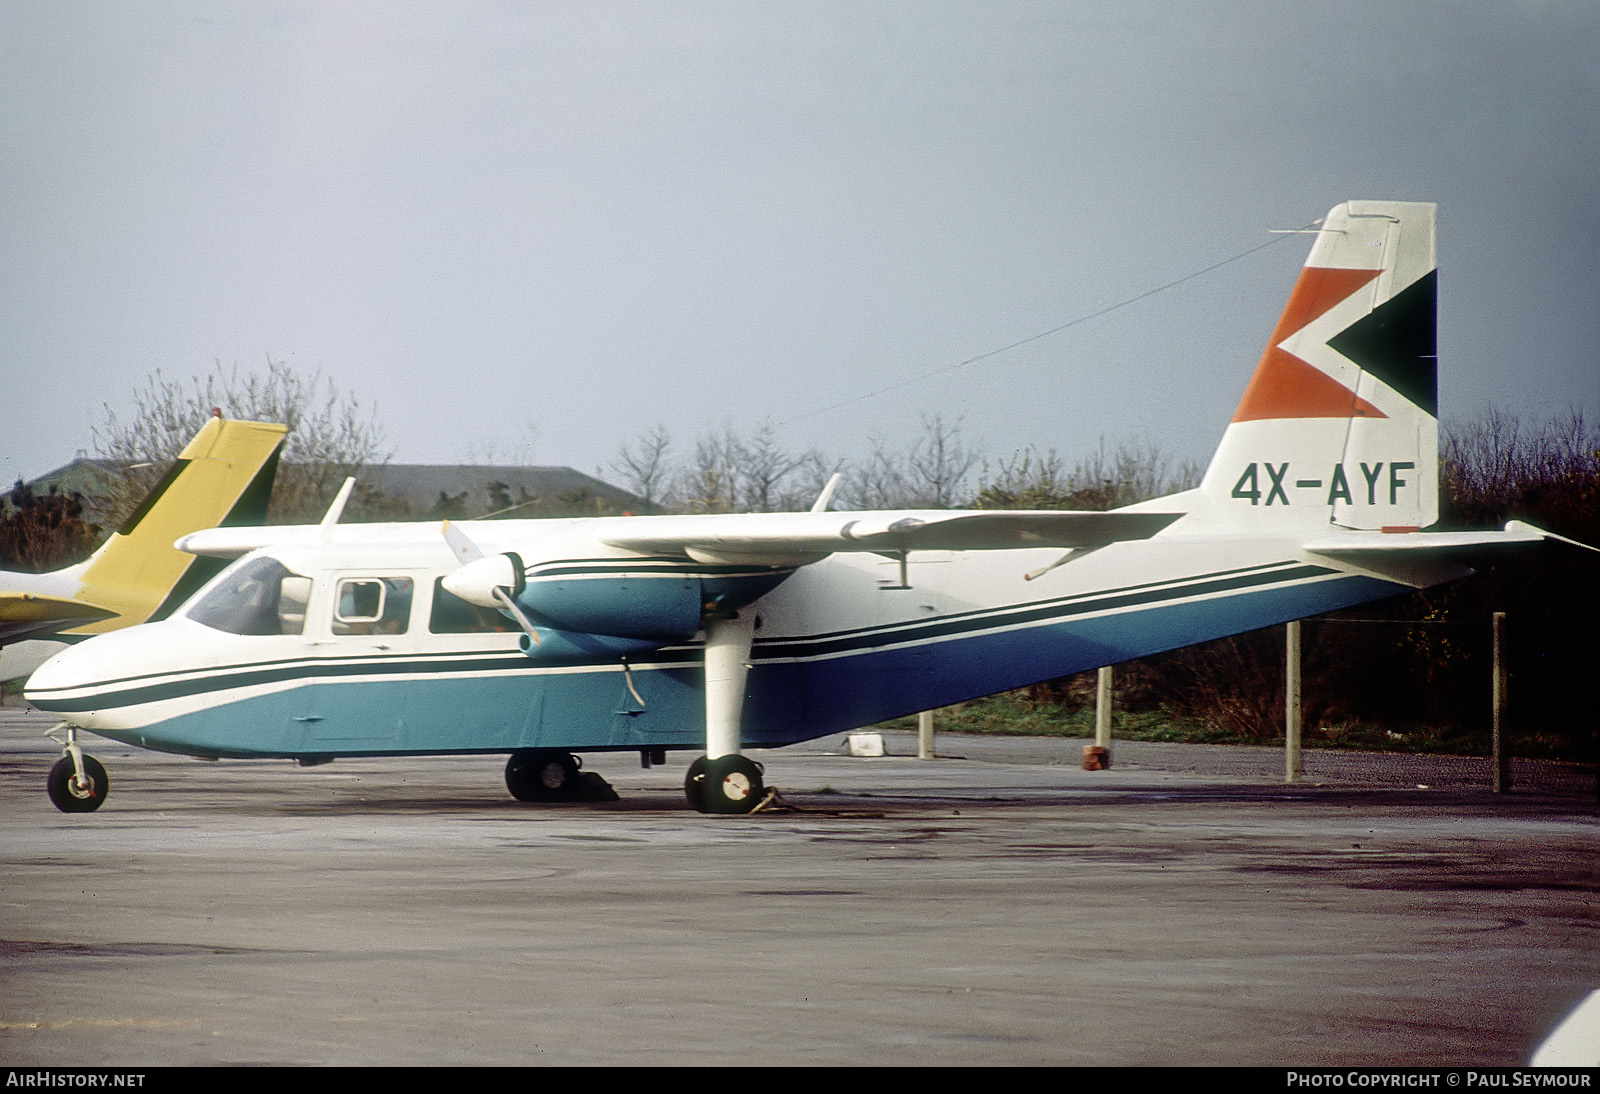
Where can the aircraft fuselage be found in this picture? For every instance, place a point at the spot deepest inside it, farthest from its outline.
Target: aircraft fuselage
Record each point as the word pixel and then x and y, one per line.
pixel 837 644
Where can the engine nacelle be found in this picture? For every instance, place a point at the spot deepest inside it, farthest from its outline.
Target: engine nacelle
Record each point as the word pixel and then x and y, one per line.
pixel 660 607
pixel 562 646
pixel 651 601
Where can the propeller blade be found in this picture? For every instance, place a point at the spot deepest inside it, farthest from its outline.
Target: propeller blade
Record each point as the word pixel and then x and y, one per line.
pixel 516 613
pixel 460 544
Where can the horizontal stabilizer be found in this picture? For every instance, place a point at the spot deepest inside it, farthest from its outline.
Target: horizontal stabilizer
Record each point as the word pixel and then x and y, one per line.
pixel 1366 543
pixel 22 614
pixel 1419 559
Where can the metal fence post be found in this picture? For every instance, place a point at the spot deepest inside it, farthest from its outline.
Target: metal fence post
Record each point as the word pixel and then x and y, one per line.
pixel 1497 748
pixel 1291 703
pixel 1102 708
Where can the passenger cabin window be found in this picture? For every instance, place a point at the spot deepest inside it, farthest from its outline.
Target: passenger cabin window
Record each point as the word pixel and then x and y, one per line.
pixel 372 605
pixel 261 597
pixel 452 615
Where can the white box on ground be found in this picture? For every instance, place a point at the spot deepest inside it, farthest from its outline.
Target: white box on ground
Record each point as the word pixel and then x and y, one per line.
pixel 864 744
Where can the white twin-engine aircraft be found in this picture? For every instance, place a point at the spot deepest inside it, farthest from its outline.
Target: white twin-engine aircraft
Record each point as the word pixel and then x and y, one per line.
pixel 546 638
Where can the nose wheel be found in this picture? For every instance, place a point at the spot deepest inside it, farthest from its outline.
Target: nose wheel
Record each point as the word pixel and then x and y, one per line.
pixel 71 792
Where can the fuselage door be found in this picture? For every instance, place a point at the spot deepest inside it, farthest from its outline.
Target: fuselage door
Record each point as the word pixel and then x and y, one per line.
pixel 361 637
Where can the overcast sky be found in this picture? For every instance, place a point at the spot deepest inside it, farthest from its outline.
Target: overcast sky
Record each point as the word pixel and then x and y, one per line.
pixel 538 229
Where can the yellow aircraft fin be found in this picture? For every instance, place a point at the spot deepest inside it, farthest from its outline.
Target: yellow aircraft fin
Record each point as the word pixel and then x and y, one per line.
pixel 224 476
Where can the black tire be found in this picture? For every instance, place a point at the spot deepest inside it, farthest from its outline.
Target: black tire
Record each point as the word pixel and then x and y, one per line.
pixel 70 799
pixel 537 775
pixel 732 784
pixel 694 785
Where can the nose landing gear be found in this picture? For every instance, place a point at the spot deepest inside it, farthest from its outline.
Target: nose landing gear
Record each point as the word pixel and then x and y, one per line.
pixel 77 783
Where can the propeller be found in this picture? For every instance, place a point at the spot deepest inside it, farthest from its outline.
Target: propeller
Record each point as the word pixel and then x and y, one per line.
pixel 484 580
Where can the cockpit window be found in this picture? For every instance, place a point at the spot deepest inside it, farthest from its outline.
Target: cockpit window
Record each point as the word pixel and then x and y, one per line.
pixel 372 605
pixel 260 597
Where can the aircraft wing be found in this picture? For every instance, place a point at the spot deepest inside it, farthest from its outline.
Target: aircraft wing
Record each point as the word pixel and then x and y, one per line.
pixel 22 614
pixel 794 539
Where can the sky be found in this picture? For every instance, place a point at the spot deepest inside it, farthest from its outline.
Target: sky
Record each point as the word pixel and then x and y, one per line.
pixel 534 231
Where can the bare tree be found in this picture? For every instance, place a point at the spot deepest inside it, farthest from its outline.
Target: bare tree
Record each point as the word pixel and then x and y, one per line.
pixel 763 467
pixel 728 473
pixel 711 483
pixel 811 471
pixel 501 451
pixel 1134 472
pixel 879 482
pixel 1495 468
pixel 331 436
pixel 940 462
pixel 1028 480
pixel 1142 471
pixel 645 465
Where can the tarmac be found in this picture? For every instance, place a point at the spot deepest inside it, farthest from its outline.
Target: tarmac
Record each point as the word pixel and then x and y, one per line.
pixel 998 905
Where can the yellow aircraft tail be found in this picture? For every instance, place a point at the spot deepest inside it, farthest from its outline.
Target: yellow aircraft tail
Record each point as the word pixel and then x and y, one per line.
pixel 223 477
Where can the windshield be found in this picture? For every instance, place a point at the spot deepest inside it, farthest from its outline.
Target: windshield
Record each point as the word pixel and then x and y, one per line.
pixel 261 597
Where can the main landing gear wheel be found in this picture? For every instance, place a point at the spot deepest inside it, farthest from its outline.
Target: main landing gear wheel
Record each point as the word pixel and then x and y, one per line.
pixel 71 795
pixel 541 776
pixel 727 784
pixel 694 785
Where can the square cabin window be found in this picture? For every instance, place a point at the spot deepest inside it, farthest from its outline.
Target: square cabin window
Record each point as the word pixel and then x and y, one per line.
pixel 372 605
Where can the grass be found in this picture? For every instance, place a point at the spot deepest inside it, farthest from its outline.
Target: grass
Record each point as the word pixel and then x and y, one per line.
pixel 1013 714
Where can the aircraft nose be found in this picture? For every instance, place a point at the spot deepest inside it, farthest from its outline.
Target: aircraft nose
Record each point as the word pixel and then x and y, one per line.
pixel 68 682
pixel 65 671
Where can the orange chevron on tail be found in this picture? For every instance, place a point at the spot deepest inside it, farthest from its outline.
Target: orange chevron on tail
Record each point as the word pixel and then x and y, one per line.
pixel 1284 386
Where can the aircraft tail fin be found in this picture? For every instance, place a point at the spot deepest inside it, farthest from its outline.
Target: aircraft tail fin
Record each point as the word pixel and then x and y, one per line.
pixel 1339 423
pixel 223 476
